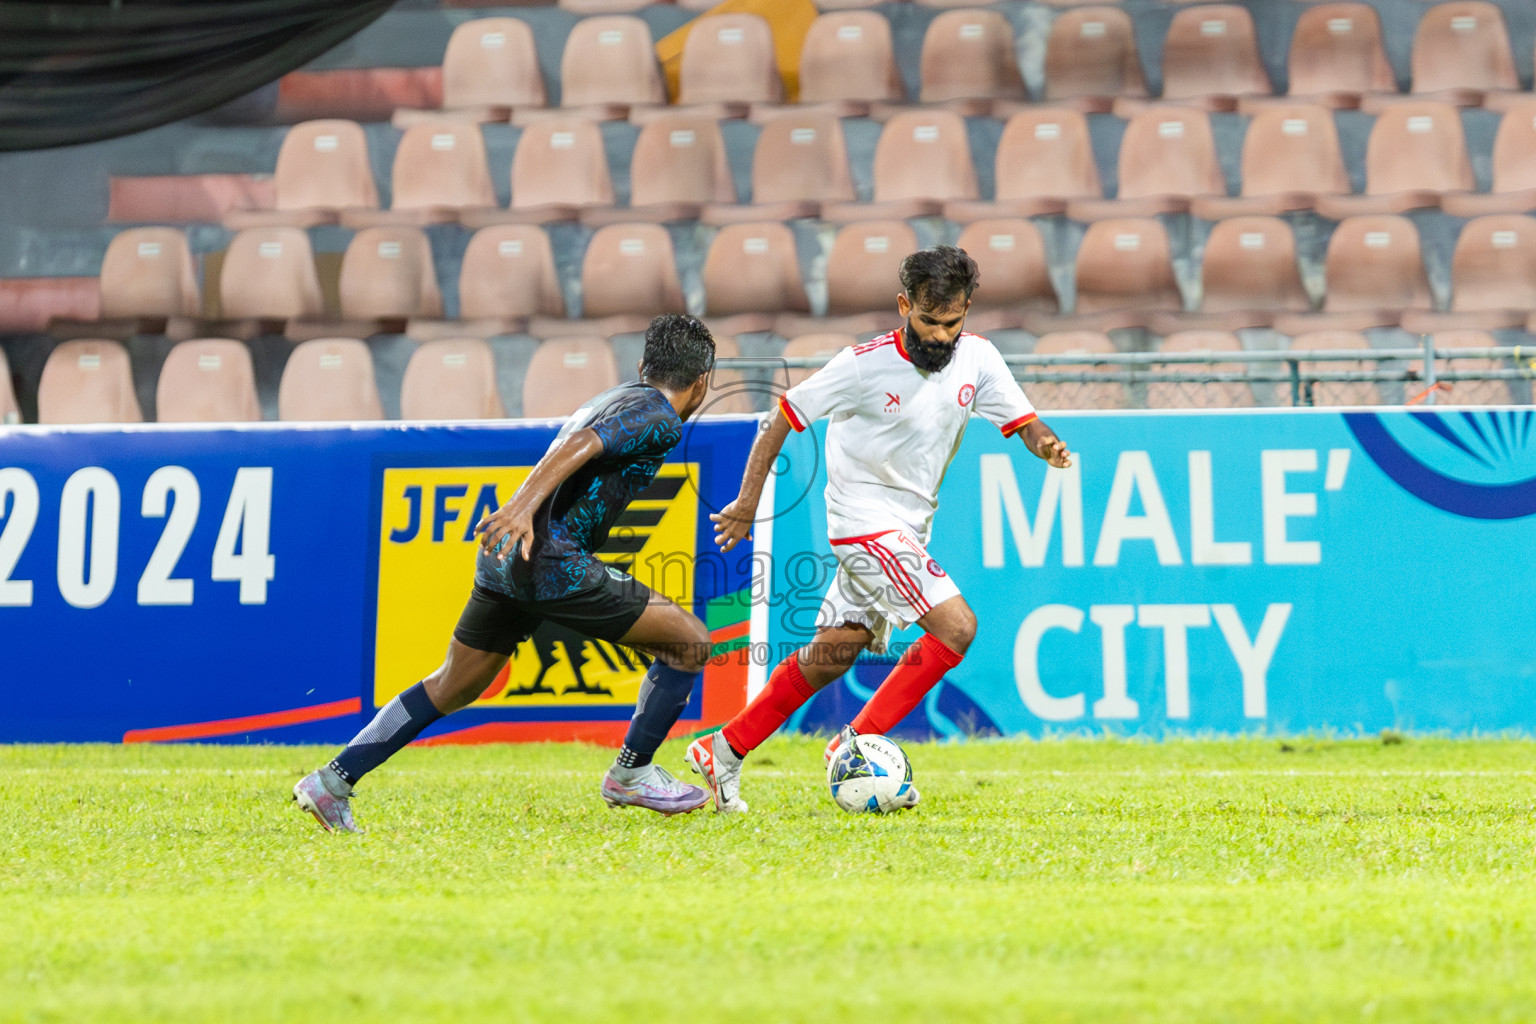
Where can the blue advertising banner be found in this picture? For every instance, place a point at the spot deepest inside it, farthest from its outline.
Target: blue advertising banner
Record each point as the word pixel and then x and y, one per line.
pixel 1219 572
pixel 279 582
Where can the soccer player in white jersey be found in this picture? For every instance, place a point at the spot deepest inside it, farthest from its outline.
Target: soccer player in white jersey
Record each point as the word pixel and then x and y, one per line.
pixel 898 406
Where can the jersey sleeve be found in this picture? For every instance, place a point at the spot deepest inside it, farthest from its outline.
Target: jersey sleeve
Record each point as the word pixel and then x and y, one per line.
pixel 649 427
pixel 832 389
pixel 999 398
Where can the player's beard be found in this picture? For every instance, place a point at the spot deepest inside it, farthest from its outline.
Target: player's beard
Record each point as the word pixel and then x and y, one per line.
pixel 931 356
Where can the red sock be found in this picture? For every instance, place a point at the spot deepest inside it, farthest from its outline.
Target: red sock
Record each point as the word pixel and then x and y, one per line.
pixel 787 689
pixel 909 682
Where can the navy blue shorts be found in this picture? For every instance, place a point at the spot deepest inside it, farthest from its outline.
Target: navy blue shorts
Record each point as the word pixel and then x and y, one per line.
pixel 493 621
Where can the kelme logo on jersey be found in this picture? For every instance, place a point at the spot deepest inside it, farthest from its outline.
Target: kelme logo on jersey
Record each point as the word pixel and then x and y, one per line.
pixel 892 402
pixel 427 549
pixel 967 392
pixel 1478 464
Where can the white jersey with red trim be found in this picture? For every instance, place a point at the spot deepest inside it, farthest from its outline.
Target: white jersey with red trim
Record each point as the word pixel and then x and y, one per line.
pixel 895 427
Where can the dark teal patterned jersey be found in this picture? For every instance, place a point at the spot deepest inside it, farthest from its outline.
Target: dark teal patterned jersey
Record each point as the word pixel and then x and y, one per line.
pixel 638 428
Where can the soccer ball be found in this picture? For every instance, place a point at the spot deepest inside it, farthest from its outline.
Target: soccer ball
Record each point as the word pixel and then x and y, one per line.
pixel 869 773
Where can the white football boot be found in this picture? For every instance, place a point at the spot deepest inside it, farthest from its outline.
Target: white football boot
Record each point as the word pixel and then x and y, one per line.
pixel 714 759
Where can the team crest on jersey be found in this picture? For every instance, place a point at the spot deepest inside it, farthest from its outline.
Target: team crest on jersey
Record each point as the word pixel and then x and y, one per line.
pixel 934 569
pixel 967 392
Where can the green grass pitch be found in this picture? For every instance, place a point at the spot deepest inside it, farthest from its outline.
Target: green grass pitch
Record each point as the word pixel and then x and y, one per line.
pixel 1073 880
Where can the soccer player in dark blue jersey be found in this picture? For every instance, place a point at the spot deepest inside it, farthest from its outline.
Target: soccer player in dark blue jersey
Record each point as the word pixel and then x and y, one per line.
pixel 536 564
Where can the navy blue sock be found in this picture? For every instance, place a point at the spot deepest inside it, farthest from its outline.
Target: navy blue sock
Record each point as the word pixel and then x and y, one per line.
pixel 396 724
pixel 663 696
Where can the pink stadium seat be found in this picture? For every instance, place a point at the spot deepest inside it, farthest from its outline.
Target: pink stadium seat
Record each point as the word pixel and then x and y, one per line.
pixel 1514 168
pixel 863 264
pixel 560 168
pixel 1494 266
pixel 729 59
pixel 1250 266
pixel 630 268
pixel 1211 56
pixel 752 268
pixel 678 165
pixel 847 59
pixel 269 274
pixel 207 380
pixel 1337 392
pixel 1337 55
pixel 1374 271
pixel 566 372
pixel 923 159
pixel 1091 58
pixel 800 162
pixel 148 273
pixel 1124 267
pixel 1461 51
pixel 1167 156
pixel 1417 153
pixel 609 65
pixel 451 379
pixel 968 59
pixel 1291 156
pixel 329 379
pixel 508 273
pixel 87 381
pixel 1044 159
pixel 10 412
pixel 1014 272
pixel 440 172
pixel 322 169
pixel 387 274
pixel 492 68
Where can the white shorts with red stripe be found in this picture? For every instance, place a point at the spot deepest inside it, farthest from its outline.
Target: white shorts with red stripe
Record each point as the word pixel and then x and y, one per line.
pixel 885 581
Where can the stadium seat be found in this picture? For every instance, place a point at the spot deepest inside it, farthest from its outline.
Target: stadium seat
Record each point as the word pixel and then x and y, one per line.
pixel 847 60
pixel 492 68
pixel 922 160
pixel 729 59
pixel 1015 272
pixel 1167 157
pixel 1461 51
pixel 1044 159
pixel 440 172
pixel 1211 57
pixel 207 380
pixel 1374 271
pixel 451 379
pixel 1074 394
pixel 1250 267
pixel 1337 392
pixel 1091 58
pixel 559 169
pixel 508 275
pixel 800 162
pixel 387 274
pixel 148 281
pixel 1417 152
pixel 10 412
pixel 1337 55
pixel 1125 270
pixel 322 169
pixel 269 275
pixel 566 372
pixel 1211 395
pixel 1291 156
pixel 609 66
pixel 753 269
pixel 1514 168
pixel 630 269
pixel 968 61
pixel 727 396
pixel 813 346
pixel 863 264
pixel 1494 265
pixel 679 164
pixel 88 380
pixel 329 379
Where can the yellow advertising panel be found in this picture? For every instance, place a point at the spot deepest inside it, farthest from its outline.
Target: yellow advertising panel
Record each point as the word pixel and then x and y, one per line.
pixel 427 548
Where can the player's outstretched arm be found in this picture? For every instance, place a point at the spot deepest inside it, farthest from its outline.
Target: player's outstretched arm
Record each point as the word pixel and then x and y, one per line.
pixel 1042 441
pixel 504 530
pixel 734 522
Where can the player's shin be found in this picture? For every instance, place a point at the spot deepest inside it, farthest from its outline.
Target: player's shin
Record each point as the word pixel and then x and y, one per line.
pixel 397 723
pixel 923 665
pixel 663 695
pixel 786 691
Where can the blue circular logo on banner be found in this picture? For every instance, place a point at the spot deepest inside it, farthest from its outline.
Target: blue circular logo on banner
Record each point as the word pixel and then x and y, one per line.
pixel 1479 464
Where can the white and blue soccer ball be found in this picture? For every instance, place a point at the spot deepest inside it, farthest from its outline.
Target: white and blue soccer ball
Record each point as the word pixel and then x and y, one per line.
pixel 869 773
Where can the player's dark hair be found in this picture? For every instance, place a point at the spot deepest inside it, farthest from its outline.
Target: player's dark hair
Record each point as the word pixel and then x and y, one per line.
pixel 678 351
pixel 938 276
